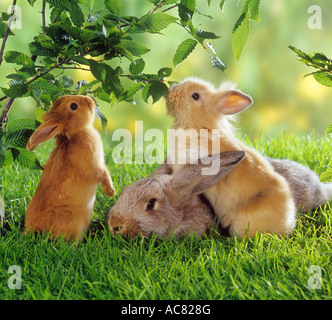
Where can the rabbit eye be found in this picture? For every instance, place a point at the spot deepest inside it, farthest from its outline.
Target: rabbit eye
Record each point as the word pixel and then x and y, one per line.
pixel 151 204
pixel 195 96
pixel 73 106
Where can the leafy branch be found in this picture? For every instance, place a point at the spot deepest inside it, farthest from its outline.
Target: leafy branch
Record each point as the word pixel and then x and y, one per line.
pixel 322 75
pixel 96 42
pixel 318 61
pixel 7 32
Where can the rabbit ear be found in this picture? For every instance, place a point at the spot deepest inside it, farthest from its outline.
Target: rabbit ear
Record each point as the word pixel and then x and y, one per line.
pixel 194 179
pixel 233 101
pixel 44 132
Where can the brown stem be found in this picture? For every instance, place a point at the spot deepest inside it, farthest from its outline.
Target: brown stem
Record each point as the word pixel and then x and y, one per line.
pixel 7 31
pixel 158 6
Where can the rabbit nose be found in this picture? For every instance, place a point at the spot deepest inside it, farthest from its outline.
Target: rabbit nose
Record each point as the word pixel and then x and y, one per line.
pixel 118 225
pixel 118 230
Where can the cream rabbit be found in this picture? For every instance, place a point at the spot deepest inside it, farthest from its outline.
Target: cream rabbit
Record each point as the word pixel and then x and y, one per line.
pixel 64 199
pixel 253 198
pixel 171 205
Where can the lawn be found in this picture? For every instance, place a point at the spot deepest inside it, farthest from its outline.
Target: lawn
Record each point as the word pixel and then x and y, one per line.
pixel 108 267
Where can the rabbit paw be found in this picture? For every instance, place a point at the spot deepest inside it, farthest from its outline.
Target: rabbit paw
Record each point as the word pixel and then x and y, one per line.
pixel 108 190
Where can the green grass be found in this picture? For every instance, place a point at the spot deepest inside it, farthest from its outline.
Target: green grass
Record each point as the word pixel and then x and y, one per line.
pixel 108 267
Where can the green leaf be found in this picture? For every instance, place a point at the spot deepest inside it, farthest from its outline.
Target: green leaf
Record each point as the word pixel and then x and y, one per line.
pixel 17 89
pixel 121 52
pixel 156 22
pixel 137 66
pixel 130 92
pixel 3 28
pixel 27 159
pixel 240 35
pixel 114 6
pixel 304 56
pixel 98 70
pixel 186 9
pixel 113 81
pixel 217 63
pixel 183 50
pixel 45 86
pixel 135 48
pixel 165 72
pixel 38 50
pixel 76 14
pixel 102 95
pixel 39 112
pixel 81 60
pixel 19 124
pixel 221 4
pixel 2 161
pixel 206 35
pixel 101 117
pixel 252 7
pixel 321 58
pixel 18 58
pixel 323 78
pixel 67 81
pixel 84 35
pixel 84 86
pixel 9 158
pixel 155 89
pixel 60 4
pixel 19 138
pixel 32 2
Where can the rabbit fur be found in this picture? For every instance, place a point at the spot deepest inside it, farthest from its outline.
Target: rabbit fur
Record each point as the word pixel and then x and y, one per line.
pixel 170 205
pixel 307 191
pixel 64 199
pixel 255 198
pixel 198 216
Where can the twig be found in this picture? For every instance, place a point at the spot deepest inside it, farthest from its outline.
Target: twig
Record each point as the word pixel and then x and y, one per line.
pixel 75 68
pixel 317 67
pixel 201 42
pixel 170 8
pixel 44 15
pixel 158 6
pixel 7 31
pixel 9 102
pixel 5 109
pixel 47 71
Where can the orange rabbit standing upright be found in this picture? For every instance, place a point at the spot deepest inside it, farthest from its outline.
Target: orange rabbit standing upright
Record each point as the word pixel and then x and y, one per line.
pixel 64 199
pixel 253 198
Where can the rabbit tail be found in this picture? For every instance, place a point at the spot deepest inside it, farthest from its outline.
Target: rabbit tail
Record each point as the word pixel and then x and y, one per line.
pixel 328 191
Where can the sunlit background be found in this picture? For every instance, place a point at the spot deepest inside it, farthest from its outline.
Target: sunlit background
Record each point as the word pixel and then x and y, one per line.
pixel 284 100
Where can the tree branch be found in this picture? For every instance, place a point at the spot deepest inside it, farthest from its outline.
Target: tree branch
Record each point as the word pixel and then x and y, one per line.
pixel 158 6
pixel 44 15
pixel 7 31
pixel 10 101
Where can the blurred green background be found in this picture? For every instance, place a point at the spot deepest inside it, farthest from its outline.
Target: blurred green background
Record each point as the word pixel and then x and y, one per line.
pixel 284 101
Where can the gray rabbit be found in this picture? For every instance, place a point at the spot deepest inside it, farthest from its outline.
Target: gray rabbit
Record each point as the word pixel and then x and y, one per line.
pixel 173 204
pixel 307 191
